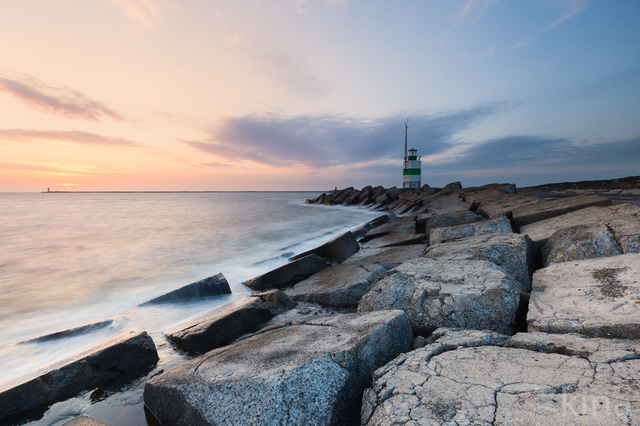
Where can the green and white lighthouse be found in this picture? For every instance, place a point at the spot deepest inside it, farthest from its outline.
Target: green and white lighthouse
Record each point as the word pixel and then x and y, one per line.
pixel 412 170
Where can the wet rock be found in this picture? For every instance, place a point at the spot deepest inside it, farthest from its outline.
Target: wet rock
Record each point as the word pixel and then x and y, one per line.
pixel 340 248
pixel 400 225
pixel 223 327
pixel 513 253
pixel 448 233
pixel 117 362
pixel 504 206
pixel 289 274
pixel 580 242
pixel 473 294
pixel 480 382
pixel 362 230
pixel 212 286
pixel 71 332
pixel 534 213
pixel 620 214
pixel 344 285
pixel 596 297
pixel 311 371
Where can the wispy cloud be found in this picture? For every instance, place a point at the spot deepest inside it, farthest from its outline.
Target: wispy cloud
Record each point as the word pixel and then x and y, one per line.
pixel 145 12
pixel 71 136
pixel 473 10
pixel 327 141
pixel 229 37
pixel 571 8
pixel 62 101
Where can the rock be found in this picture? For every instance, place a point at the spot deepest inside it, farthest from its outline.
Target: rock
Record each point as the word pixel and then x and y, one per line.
pixel 515 254
pixel 223 327
pixel 535 380
pixel 118 362
pixel 362 230
pixel 71 332
pixel 402 225
pixel 212 286
pixel 473 294
pixel 344 285
pixel 450 187
pixel 395 240
pixel 448 233
pixel 596 297
pixel 534 213
pixel 340 248
pixel 289 274
pixel 504 206
pixel 310 371
pixel 427 221
pixel 384 199
pixel 540 231
pixel 83 421
pixel 627 233
pixel 580 242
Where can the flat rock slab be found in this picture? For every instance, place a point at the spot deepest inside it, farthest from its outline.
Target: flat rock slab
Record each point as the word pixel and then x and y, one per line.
pixel 472 294
pixel 580 242
pixel 427 221
pixel 513 253
pixel 289 274
pixel 504 206
pixel 540 231
pixel 534 379
pixel 212 286
pixel 395 240
pixel 345 284
pixel 596 297
pixel 525 215
pixel 308 372
pixel 118 361
pixel 399 225
pixel 339 249
pixel 83 421
pixel 243 316
pixel 448 233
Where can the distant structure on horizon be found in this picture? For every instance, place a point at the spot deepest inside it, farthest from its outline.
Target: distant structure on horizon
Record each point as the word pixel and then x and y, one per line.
pixel 412 170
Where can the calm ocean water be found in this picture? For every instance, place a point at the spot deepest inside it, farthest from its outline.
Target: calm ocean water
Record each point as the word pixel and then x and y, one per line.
pixel 73 259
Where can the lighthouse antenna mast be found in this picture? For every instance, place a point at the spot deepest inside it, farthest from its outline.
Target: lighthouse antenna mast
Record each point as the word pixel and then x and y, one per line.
pixel 405 142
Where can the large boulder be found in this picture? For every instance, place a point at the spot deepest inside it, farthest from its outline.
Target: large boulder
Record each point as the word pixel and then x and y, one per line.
pixel 580 242
pixel 83 421
pixel 536 379
pixel 289 274
pixel 243 316
pixel 339 249
pixel 427 221
pixel 395 240
pixel 360 231
pixel 344 285
pixel 117 362
pixel 489 226
pixel 399 225
pixel 504 206
pixel 534 213
pixel 617 215
pixel 596 297
pixel 212 286
pixel 474 294
pixel 306 372
pixel 513 253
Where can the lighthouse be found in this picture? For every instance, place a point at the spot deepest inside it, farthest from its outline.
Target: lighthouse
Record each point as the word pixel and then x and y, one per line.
pixel 412 170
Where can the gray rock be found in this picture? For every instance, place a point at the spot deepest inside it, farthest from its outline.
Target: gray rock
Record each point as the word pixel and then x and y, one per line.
pixel 448 233
pixel 580 242
pixel 400 225
pixel 289 274
pixel 344 285
pixel 513 253
pixel 504 206
pixel 427 221
pixel 473 294
pixel 395 240
pixel 362 230
pixel 596 297
pixel 535 380
pixel 308 372
pixel 340 248
pixel 627 233
pixel 540 231
pixel 117 362
pixel 450 187
pixel 212 286
pixel 534 213
pixel 243 316
pixel 83 421
pixel 72 332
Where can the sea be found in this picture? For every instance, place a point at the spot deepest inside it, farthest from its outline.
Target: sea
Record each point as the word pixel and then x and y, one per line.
pixel 68 260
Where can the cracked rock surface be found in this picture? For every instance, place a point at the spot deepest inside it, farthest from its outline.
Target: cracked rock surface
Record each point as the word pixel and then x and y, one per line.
pixel 305 372
pixel 481 378
pixel 490 226
pixel 596 297
pixel 472 294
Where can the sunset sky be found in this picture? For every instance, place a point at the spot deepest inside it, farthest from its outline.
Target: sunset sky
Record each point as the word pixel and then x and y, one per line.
pixel 308 95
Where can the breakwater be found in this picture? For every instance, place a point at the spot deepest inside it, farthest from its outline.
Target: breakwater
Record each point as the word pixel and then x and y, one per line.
pixel 452 306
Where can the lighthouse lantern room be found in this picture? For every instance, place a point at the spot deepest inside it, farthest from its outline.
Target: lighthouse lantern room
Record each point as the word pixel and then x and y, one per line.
pixel 412 170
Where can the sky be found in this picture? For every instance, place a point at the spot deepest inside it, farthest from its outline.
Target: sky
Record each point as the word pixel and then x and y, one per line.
pixel 313 94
